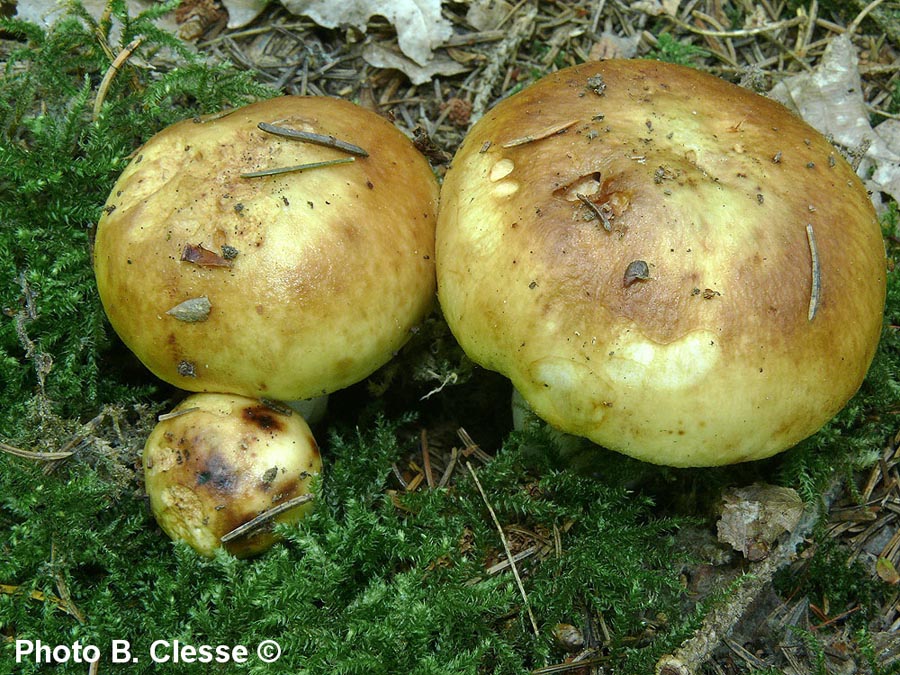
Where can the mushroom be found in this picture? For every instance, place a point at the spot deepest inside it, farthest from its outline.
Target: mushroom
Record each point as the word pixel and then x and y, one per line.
pixel 669 265
pixel 218 462
pixel 283 250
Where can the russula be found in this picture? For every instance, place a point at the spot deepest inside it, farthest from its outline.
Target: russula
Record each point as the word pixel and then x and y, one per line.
pixel 224 267
pixel 667 264
pixel 218 462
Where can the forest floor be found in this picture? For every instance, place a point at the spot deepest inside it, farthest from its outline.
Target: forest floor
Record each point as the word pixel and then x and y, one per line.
pixel 496 49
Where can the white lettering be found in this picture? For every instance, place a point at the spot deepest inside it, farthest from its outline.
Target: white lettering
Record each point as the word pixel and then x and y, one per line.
pixel 41 653
pixel 23 649
pixel 153 655
pixel 120 651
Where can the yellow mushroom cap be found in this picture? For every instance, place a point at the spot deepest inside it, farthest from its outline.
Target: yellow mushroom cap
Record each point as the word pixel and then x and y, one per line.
pixel 667 264
pixel 284 286
pixel 218 461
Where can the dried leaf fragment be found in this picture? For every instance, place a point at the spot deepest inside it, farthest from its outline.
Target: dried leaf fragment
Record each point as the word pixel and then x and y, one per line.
pixel 193 310
pixel 753 517
pixel 887 571
pixel 204 257
pixel 421 27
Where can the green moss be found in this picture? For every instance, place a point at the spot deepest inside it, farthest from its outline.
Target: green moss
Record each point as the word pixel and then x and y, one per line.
pixel 58 161
pixel 672 50
pixel 376 580
pixel 367 584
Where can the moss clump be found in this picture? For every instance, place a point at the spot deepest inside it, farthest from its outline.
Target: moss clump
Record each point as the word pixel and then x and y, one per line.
pixel 60 153
pixel 375 581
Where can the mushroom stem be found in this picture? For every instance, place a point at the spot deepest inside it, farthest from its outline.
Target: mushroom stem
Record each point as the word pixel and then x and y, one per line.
pixel 312 409
pixel 568 446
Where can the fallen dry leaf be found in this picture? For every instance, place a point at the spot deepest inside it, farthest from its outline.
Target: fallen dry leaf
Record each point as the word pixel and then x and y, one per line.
pixel 887 571
pixel 830 98
pixel 487 14
pixel 419 24
pixel 381 56
pixel 753 517
pixel 612 46
pixel 242 12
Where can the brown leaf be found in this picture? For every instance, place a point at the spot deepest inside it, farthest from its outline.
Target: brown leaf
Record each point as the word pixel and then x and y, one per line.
pixel 886 570
pixel 753 517
pixel 204 257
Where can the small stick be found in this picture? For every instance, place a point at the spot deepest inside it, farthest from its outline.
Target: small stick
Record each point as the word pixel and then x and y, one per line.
pixel 596 210
pixel 399 475
pixel 297 167
pixel 851 29
pixel 74 443
pixel 499 57
pixel 214 116
pixel 64 595
pixel 315 139
pixel 547 133
pixel 721 619
pixel 500 566
pixel 509 555
pixel 111 72
pixel 574 664
pixel 747 32
pixel 266 517
pixel 40 596
pixel 176 413
pixel 426 460
pixel 451 465
pixel 29 454
pixel 472 447
pixel 816 273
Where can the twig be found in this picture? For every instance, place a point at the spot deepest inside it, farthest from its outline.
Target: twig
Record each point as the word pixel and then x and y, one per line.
pixel 40 596
pixel 546 133
pixel 720 621
pixel 596 210
pixel 30 454
pixel 63 587
pixel 851 29
pixel 112 71
pixel 746 32
pixel 574 664
pixel 468 39
pixel 509 555
pixel 505 51
pixel 176 413
pixel 315 139
pixel 72 444
pixel 297 167
pixel 472 448
pixel 426 460
pixel 521 555
pixel 451 465
pixel 816 284
pixel 266 517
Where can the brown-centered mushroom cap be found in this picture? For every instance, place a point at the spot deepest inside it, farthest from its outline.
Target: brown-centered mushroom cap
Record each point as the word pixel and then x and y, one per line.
pixel 672 266
pixel 218 461
pixel 284 286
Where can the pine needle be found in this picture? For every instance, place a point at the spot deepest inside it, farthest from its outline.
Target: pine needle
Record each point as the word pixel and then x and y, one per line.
pixel 297 167
pixel 509 554
pixel 113 70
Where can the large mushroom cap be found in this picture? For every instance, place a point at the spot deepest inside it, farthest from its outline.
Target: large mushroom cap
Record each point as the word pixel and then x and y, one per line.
pixel 284 286
pixel 665 263
pixel 219 461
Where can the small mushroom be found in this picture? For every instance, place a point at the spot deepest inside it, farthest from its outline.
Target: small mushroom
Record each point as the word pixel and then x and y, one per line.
pixel 219 461
pixel 655 369
pixel 285 286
